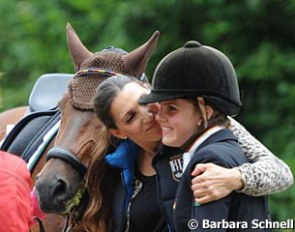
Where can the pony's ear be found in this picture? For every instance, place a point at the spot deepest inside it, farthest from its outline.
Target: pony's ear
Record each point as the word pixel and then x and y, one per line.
pixel 78 51
pixel 137 60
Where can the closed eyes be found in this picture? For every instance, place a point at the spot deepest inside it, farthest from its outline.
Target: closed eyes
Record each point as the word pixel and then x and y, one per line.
pixel 129 117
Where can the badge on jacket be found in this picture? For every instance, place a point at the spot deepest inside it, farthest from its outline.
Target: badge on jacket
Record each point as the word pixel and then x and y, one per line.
pixel 176 167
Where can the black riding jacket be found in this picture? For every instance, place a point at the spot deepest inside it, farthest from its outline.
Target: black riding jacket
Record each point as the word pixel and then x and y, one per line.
pixel 176 195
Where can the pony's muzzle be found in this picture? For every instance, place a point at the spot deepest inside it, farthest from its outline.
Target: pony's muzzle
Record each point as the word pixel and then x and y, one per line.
pixel 52 195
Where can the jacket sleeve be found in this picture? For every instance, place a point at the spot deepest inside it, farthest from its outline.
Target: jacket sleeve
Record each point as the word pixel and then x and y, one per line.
pixel 15 190
pixel 266 173
pixel 215 211
pixel 191 217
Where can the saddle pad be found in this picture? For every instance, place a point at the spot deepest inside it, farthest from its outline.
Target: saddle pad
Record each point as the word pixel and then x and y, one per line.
pixel 26 134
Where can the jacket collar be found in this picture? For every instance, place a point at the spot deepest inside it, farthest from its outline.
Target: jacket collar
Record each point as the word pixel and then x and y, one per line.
pixel 219 136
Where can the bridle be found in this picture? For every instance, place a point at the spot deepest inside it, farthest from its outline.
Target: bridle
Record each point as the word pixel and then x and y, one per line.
pixel 67 156
pixel 72 211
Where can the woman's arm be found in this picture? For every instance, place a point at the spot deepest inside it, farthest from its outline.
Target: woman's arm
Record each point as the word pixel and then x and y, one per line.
pixel 265 174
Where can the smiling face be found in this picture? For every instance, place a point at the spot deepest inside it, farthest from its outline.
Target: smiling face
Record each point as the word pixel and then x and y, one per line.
pixel 179 120
pixel 133 120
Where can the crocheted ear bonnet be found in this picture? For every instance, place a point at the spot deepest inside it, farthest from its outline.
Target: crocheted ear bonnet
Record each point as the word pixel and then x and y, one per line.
pixel 93 68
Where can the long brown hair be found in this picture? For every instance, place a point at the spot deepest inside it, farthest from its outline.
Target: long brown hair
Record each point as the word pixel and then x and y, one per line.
pixel 97 216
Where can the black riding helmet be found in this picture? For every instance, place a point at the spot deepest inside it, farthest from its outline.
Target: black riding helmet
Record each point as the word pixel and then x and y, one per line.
pixel 196 70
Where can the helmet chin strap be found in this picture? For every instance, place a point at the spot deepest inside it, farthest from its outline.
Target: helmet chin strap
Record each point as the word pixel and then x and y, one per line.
pixel 187 145
pixel 202 125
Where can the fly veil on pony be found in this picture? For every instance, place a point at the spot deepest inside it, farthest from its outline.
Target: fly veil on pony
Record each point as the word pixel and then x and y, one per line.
pixel 93 68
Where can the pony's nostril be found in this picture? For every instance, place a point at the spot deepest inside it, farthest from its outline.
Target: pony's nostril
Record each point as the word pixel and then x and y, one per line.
pixel 60 188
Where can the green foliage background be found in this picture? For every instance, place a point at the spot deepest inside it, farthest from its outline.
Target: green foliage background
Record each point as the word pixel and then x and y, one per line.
pixel 257 35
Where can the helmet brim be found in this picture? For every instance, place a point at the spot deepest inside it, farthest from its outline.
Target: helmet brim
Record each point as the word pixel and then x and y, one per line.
pixel 158 97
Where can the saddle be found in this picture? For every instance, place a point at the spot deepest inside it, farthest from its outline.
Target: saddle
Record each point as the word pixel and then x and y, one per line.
pixel 48 90
pixel 31 135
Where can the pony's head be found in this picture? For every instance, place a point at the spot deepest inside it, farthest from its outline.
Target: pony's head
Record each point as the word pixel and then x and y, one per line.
pixel 81 135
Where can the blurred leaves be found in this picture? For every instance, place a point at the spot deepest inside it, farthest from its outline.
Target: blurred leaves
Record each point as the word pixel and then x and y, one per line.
pixel 257 35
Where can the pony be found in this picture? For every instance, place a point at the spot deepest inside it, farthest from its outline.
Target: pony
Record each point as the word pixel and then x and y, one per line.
pixel 62 185
pixel 9 118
